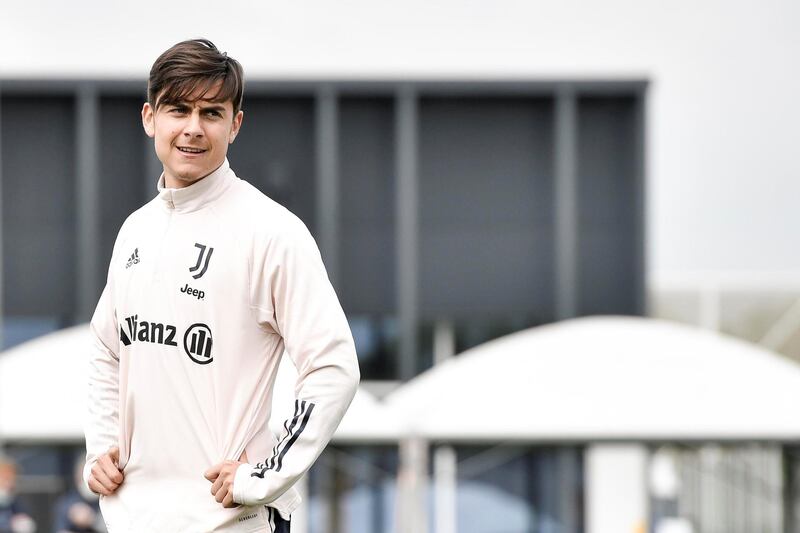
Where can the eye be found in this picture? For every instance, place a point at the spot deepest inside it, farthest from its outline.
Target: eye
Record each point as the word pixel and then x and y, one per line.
pixel 213 113
pixel 178 110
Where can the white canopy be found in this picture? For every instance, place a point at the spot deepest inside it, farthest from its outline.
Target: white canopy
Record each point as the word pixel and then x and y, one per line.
pixel 43 387
pixel 43 393
pixel 584 379
pixel 606 378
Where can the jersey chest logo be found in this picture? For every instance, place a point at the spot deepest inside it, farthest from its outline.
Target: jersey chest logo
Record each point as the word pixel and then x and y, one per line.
pixel 197 340
pixel 203 258
pixel 144 331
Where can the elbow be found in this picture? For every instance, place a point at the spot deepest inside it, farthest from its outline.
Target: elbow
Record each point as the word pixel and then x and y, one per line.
pixel 350 371
pixel 355 371
pixel 353 377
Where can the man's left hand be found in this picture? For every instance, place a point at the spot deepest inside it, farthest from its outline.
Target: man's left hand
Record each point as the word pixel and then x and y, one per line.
pixel 221 476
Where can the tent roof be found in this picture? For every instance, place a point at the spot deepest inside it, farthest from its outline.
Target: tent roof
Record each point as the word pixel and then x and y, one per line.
pixel 583 379
pixel 606 378
pixel 43 393
pixel 43 387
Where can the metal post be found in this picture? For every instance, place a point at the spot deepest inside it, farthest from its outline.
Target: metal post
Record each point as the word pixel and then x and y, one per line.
pixel 412 483
pixel 407 229
pixel 640 154
pixel 327 136
pixel 445 484
pixel 88 199
pixel 444 341
pixel 568 470
pixel 2 295
pixel 566 192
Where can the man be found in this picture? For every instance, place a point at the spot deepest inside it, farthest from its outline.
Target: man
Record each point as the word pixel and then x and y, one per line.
pixel 208 284
pixel 13 518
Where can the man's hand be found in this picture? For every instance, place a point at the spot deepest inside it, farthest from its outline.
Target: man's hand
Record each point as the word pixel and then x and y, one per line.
pixel 106 477
pixel 221 476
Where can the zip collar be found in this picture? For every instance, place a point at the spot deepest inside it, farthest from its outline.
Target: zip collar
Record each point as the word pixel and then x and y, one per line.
pixel 198 194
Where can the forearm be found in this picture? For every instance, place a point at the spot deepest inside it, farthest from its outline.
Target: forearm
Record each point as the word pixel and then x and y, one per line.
pixel 306 434
pixel 102 411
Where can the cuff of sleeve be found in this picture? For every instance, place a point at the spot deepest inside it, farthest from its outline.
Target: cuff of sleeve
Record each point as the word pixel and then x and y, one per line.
pixel 87 473
pixel 251 490
pixel 242 485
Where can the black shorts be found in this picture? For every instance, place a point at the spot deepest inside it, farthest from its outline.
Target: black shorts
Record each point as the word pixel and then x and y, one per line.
pixel 276 523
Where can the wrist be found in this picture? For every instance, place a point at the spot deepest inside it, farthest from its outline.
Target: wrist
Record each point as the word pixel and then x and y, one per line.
pixel 245 487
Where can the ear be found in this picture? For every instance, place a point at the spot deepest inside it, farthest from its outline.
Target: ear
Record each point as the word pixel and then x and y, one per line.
pixel 148 120
pixel 237 124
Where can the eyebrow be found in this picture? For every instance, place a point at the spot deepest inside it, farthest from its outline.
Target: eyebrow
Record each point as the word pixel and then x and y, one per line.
pixel 186 103
pixel 218 108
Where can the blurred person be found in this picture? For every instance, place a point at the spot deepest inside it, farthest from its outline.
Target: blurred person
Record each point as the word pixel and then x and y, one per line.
pixel 78 511
pixel 13 517
pixel 208 284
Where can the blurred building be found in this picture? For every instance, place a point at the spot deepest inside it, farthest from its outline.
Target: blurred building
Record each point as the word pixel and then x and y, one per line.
pixel 469 170
pixel 447 213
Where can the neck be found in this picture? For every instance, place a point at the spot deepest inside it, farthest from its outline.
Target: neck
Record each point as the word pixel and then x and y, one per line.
pixel 173 182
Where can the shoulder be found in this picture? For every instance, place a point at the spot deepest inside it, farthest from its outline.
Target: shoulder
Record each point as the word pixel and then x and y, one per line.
pixel 266 219
pixel 135 221
pixel 273 236
pixel 140 215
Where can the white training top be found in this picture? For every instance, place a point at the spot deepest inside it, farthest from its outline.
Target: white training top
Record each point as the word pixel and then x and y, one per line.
pixel 208 285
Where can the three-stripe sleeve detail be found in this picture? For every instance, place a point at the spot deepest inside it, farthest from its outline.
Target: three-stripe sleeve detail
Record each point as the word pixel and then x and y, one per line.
pixel 294 437
pixel 293 428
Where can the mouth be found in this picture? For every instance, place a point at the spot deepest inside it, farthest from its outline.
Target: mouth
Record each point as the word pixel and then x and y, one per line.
pixel 190 150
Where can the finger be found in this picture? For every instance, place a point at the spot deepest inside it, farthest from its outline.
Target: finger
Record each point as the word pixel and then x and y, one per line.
pixel 104 482
pixel 213 473
pixel 101 477
pixel 98 488
pixel 221 493
pixel 113 452
pixel 110 469
pixel 217 486
pixel 228 502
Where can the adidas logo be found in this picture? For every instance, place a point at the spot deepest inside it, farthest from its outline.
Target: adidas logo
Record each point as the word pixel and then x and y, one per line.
pixel 134 259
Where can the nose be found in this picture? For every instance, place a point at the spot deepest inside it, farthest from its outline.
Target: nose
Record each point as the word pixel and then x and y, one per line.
pixel 193 126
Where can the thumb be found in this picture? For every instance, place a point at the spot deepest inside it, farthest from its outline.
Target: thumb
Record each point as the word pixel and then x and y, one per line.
pixel 113 452
pixel 213 473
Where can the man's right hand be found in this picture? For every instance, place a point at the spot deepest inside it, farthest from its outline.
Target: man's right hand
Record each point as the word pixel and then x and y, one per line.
pixel 106 477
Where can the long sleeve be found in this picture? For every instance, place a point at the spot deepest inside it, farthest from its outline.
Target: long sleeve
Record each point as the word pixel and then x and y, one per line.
pixel 102 417
pixel 293 298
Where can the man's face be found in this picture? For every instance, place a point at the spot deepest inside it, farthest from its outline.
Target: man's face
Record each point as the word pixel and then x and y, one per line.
pixel 191 138
pixel 8 478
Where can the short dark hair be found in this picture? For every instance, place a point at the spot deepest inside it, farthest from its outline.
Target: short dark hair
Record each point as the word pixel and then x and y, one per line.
pixel 191 66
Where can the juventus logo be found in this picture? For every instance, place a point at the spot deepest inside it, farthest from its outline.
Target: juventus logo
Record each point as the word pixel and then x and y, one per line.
pixel 197 342
pixel 201 260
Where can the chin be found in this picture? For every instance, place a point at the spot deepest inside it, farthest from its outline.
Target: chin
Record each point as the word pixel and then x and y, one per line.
pixel 190 172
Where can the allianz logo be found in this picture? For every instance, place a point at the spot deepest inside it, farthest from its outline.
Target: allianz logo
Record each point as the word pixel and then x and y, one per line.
pixel 144 331
pixel 197 339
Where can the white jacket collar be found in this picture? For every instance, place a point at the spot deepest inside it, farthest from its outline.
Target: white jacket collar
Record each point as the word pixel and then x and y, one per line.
pixel 198 194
